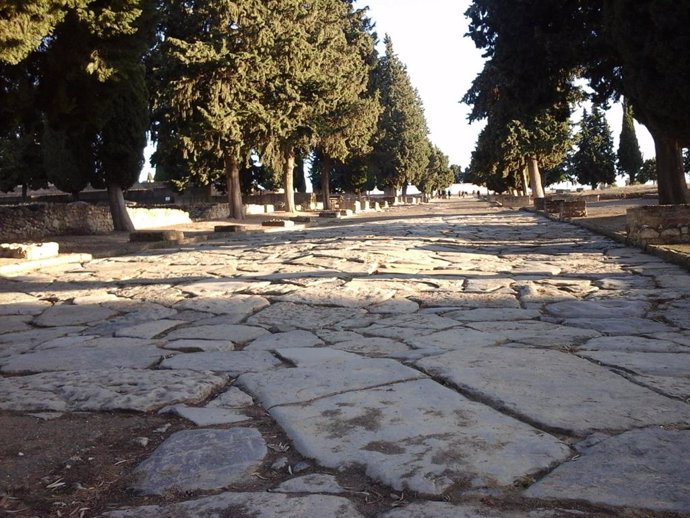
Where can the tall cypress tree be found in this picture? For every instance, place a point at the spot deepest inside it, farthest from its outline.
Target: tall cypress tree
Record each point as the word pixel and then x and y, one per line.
pixel 629 155
pixel 401 148
pixel 594 161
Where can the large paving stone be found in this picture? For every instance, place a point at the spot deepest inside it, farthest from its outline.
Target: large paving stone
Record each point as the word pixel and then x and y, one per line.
pixel 234 308
pixel 451 339
pixel 16 303
pixel 492 314
pixel 620 326
pixel 149 329
pixel 238 334
pixel 645 469
pixel 614 308
pixel 106 390
pixel 349 296
pixel 314 483
pixel 197 346
pixel 193 460
pixel 448 510
pixel 287 316
pixel 536 333
pixel 298 338
pixel 666 372
pixel 633 344
pixel 466 300
pixel 318 380
pixel 232 363
pixel 406 326
pixel 558 391
pixel 202 416
pixel 374 347
pixel 72 315
pixel 90 355
pixel 420 436
pixel 240 505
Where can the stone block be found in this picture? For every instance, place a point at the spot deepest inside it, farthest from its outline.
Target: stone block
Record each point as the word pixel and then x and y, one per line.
pixel 253 210
pixel 346 212
pixel 539 203
pixel 229 228
pixel 282 223
pixel 156 235
pixel 330 214
pixel 301 219
pixel 269 209
pixel 29 251
pixel 552 206
pixel 573 209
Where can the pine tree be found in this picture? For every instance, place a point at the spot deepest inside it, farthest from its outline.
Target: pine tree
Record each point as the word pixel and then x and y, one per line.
pixel 629 155
pixel 438 174
pixel 594 161
pixel 209 76
pixel 401 148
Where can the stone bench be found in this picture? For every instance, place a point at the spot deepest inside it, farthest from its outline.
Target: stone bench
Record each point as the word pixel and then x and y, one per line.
pixel 29 251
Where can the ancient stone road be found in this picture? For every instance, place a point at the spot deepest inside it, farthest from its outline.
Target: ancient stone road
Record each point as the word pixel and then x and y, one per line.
pixel 474 361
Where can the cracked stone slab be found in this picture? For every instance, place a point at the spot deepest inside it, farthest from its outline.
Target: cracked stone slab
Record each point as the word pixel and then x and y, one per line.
pixel 349 296
pixel 298 338
pixel 288 316
pixel 197 346
pixel 405 326
pixel 535 333
pixel 633 344
pixel 105 390
pixel 234 308
pixel 492 314
pixel 15 303
pixel 91 355
pixel 395 306
pixel 451 339
pixel 558 391
pixel 676 313
pixel 232 363
pixel 206 416
pixel 317 380
pixel 615 308
pixel 14 323
pixel 214 287
pixel 238 334
pixel 193 460
pixel 72 315
pixel 455 440
pixel 620 326
pixel 149 329
pixel 643 469
pixel 466 300
pixel 374 347
pixel 256 505
pixel 314 483
pixel 231 398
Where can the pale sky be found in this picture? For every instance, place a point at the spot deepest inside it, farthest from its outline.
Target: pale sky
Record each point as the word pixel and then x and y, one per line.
pixel 429 38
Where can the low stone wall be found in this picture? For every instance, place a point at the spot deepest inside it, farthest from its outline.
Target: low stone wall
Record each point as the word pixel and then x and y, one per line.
pixel 659 224
pixel 512 201
pixel 39 220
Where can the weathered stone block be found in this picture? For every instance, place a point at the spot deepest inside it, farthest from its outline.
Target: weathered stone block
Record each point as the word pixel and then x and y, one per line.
pixel 283 223
pixel 301 219
pixel 573 209
pixel 229 228
pixel 552 206
pixel 330 214
pixel 29 251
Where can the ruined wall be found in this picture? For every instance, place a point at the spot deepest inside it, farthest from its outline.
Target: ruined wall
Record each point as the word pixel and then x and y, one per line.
pixel 659 224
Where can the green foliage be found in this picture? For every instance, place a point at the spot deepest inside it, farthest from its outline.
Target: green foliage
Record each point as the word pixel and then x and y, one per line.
pixel 401 148
pixel 438 174
pixel 594 161
pixel 629 155
pixel 647 172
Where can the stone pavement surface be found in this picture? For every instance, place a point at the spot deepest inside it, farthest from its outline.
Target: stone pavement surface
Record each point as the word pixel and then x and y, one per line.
pixel 457 360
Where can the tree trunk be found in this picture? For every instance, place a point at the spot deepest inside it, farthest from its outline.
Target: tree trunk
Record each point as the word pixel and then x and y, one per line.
pixel 673 188
pixel 535 177
pixel 525 181
pixel 390 191
pixel 232 180
pixel 25 192
pixel 289 182
pixel 404 189
pixel 118 209
pixel 326 183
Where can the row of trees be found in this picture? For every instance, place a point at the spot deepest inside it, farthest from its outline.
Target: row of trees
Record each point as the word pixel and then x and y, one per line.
pixel 539 51
pixel 233 92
